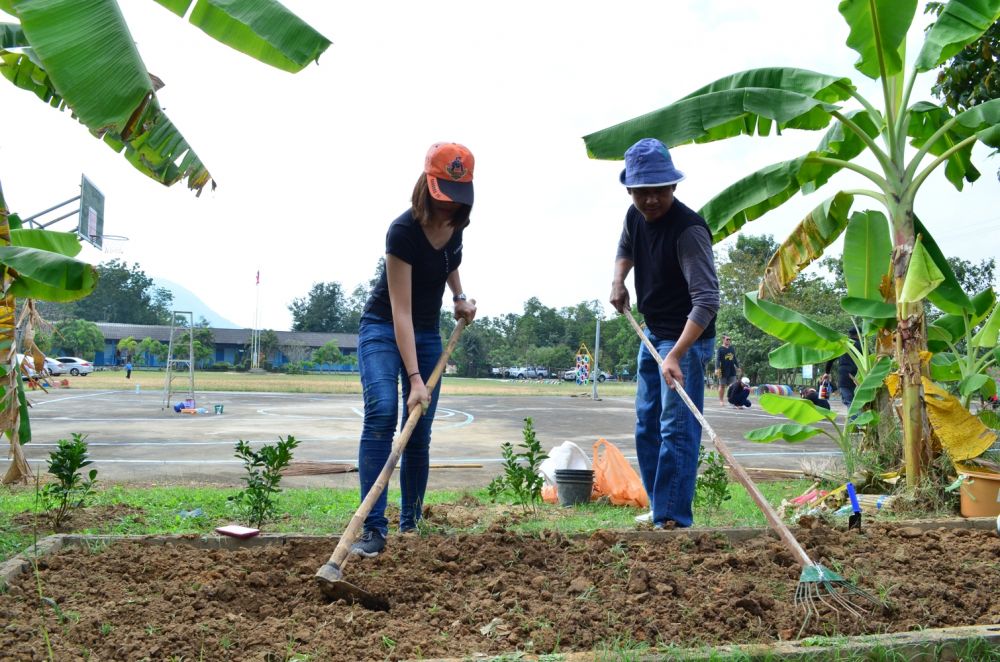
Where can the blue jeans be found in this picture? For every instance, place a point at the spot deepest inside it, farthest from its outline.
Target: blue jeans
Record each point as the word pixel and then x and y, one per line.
pixel 381 368
pixel 667 435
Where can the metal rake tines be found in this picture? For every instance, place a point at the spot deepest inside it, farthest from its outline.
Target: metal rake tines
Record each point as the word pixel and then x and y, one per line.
pixel 822 585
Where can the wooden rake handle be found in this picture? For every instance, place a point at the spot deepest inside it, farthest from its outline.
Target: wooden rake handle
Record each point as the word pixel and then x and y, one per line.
pixel 773 520
pixel 350 534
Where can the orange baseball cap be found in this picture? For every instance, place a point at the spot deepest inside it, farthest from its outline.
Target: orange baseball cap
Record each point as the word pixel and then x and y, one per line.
pixel 448 167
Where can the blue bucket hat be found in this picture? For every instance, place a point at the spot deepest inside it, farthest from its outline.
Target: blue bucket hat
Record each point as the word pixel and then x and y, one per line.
pixel 648 163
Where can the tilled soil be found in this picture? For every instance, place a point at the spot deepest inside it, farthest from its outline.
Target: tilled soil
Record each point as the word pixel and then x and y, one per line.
pixel 486 593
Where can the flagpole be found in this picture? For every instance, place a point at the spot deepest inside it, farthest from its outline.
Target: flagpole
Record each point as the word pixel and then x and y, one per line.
pixel 255 343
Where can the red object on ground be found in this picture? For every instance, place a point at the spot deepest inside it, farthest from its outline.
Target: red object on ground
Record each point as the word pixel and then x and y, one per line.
pixel 237 531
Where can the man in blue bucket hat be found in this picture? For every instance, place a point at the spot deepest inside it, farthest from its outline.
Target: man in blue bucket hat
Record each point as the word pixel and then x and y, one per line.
pixel 668 248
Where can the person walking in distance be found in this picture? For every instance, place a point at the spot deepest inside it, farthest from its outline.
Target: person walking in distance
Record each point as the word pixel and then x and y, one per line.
pixel 668 248
pixel 399 337
pixel 727 367
pixel 128 369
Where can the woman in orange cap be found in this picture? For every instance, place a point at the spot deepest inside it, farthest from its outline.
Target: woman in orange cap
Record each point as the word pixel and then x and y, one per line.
pixel 399 336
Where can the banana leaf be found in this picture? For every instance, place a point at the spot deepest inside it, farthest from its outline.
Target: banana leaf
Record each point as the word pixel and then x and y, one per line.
pixel 961 22
pixel 869 386
pixel 949 295
pixel 87 50
pixel 790 326
pixel 713 116
pixel 799 410
pixel 925 120
pixel 878 33
pixel 12 36
pixel 987 334
pixel 47 270
pixel 875 310
pixel 863 419
pixel 789 356
pixel 758 193
pixel 922 275
pixel 263 29
pixel 972 383
pixel 824 87
pixel 782 432
pixel 945 367
pixel 984 121
pixel 867 255
pixel 806 243
pixel 64 243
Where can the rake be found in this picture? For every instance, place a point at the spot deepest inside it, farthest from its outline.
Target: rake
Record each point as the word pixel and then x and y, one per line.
pixel 330 576
pixel 818 585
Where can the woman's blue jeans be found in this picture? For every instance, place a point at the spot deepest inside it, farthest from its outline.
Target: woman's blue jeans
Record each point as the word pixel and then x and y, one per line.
pixel 381 369
pixel 667 435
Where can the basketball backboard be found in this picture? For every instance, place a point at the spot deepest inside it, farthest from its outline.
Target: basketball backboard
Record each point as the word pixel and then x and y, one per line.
pixel 91 227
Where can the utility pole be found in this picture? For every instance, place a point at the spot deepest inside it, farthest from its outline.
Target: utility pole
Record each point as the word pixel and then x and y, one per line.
pixel 596 372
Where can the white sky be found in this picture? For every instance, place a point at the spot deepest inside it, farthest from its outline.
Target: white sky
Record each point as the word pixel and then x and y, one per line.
pixel 313 167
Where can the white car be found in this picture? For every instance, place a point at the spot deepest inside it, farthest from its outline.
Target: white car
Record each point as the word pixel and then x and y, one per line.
pixel 570 375
pixel 75 365
pixel 52 367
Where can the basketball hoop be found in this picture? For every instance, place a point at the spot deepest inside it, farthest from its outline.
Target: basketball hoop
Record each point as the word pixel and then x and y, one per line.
pixel 110 248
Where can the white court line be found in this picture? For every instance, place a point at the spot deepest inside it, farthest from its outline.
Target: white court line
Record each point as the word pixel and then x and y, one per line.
pixel 72 397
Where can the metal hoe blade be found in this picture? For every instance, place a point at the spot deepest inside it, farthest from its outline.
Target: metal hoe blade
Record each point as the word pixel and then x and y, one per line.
pixel 331 583
pixel 820 585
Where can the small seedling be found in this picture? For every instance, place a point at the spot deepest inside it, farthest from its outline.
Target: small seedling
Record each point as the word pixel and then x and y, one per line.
pixel 388 643
pixel 257 502
pixel 106 629
pixel 72 489
pixel 712 486
pixel 521 480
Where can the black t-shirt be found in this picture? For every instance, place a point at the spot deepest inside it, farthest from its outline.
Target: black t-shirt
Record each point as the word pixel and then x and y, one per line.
pixel 661 291
pixel 726 361
pixel 430 268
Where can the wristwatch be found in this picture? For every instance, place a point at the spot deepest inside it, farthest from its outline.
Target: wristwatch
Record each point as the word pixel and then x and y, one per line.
pixel 459 297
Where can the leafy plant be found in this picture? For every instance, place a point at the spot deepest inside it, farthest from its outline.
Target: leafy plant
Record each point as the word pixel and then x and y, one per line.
pixel 257 503
pixel 712 484
pixel 521 479
pixel 72 489
pixel 762 101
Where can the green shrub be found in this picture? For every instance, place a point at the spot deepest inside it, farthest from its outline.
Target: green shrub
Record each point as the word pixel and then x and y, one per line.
pixel 71 490
pixel 712 485
pixel 521 480
pixel 257 502
pixel 221 366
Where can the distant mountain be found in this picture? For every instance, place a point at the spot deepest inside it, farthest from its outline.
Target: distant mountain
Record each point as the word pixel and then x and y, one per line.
pixel 185 299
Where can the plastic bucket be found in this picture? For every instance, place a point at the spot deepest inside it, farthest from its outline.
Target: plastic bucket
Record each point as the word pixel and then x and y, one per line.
pixel 980 494
pixel 574 486
pixel 218 409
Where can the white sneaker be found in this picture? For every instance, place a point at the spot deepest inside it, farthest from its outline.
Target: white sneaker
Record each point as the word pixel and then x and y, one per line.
pixel 648 517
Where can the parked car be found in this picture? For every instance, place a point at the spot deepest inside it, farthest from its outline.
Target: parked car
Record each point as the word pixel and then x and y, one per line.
pixel 75 365
pixel 52 367
pixel 528 372
pixel 570 375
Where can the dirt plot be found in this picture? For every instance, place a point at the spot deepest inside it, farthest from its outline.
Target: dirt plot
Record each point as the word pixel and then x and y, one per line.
pixel 487 593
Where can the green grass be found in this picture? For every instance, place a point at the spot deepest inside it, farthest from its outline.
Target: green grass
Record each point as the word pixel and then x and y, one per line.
pixel 207 380
pixel 325 511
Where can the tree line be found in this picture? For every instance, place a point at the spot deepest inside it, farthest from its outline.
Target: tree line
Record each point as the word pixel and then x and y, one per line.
pixel 539 335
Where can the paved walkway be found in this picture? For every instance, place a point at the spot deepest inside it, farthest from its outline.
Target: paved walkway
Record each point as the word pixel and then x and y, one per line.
pixel 132 439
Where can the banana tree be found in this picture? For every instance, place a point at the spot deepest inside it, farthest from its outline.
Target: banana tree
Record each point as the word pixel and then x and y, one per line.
pixel 81 56
pixel 964 354
pixel 34 264
pixel 758 101
pixel 804 414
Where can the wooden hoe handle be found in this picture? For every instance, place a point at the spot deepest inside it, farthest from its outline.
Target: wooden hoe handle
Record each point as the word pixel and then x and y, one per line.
pixel 773 520
pixel 350 534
